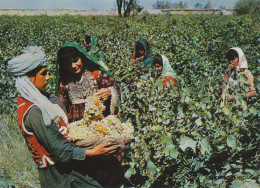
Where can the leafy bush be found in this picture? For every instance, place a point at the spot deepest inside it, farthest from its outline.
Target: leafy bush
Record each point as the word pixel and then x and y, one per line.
pixel 182 139
pixel 247 6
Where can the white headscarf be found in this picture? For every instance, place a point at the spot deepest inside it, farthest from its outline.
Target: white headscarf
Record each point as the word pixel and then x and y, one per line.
pixel 242 61
pixel 167 69
pixel 19 66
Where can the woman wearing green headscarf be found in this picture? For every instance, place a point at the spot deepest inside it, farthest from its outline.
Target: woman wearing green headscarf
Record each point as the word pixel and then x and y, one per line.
pixel 143 56
pixel 92 49
pixel 79 76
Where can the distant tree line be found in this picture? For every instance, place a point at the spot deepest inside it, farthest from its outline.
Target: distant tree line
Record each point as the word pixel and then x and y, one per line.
pixel 248 7
pixel 162 4
pixel 132 7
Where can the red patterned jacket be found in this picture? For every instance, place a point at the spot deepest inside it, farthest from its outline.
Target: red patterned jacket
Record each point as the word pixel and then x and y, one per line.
pixel 39 153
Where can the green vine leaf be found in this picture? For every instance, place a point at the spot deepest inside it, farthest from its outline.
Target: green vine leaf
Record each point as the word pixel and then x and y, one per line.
pixel 170 149
pixel 187 142
pixel 205 146
pixel 232 141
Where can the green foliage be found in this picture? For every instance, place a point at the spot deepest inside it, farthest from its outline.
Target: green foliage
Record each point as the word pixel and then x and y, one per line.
pixel 189 139
pixel 247 7
pixel 5 181
pixel 17 166
pixel 182 139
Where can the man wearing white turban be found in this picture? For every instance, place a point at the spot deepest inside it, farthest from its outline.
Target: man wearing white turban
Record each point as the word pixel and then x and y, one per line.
pixel 238 75
pixel 43 123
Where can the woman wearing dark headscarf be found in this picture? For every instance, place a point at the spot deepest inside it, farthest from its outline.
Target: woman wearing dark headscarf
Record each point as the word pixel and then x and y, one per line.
pixel 92 49
pixel 143 56
pixel 79 76
pixel 43 123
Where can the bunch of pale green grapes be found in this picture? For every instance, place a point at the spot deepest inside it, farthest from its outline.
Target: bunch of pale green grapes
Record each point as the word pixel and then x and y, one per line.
pixel 94 125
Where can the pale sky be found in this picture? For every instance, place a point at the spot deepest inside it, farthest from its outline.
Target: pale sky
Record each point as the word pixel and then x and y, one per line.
pixel 99 4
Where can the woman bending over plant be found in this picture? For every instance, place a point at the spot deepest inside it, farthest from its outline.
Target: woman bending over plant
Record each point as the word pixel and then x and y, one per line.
pixel 164 70
pixel 239 80
pixel 92 48
pixel 143 56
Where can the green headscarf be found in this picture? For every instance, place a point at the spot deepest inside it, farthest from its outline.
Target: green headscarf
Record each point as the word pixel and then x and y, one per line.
pixel 148 59
pixel 94 44
pixel 72 44
pixel 95 51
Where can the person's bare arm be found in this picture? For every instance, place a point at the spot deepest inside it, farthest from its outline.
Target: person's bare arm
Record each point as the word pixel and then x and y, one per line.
pixel 102 149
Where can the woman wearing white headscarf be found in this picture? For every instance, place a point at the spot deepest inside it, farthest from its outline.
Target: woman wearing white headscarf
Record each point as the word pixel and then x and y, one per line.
pixel 43 123
pixel 238 75
pixel 164 70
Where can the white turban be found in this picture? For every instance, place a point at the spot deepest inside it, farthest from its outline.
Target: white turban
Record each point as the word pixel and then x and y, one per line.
pixel 32 57
pixel 19 66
